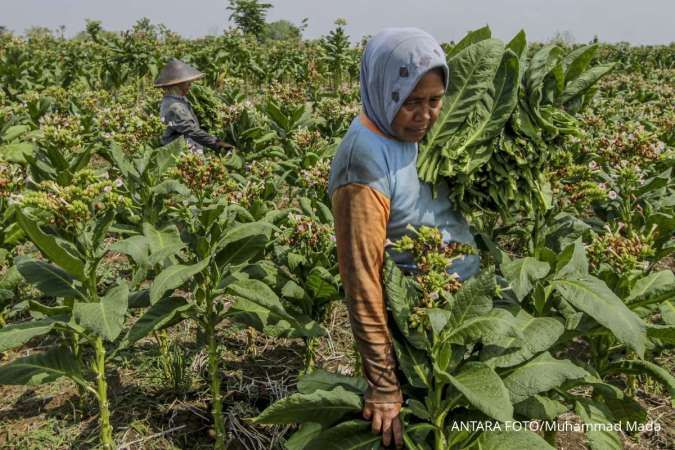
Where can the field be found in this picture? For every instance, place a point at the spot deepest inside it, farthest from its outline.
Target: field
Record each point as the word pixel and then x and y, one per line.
pixel 154 299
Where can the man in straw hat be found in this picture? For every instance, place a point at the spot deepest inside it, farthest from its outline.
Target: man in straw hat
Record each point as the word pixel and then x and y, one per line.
pixel 176 79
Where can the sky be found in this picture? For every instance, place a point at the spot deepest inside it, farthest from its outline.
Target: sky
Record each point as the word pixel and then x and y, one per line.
pixel 637 22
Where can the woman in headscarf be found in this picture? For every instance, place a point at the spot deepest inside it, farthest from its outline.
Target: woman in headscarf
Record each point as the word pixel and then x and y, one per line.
pixel 376 193
pixel 176 112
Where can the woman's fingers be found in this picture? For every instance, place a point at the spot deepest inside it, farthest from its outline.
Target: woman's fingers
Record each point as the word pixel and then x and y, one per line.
pixel 386 430
pixel 377 422
pixel 385 421
pixel 397 429
pixel 367 411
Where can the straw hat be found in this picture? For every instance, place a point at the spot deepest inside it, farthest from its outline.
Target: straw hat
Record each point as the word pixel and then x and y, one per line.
pixel 176 72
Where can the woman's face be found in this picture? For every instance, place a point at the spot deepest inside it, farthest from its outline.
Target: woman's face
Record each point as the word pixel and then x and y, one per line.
pixel 420 110
pixel 185 87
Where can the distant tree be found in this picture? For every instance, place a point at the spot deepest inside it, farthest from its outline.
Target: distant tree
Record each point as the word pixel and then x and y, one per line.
pixel 336 51
pixel 564 38
pixel 38 33
pixel 249 15
pixel 281 30
pixel 3 30
pixel 94 31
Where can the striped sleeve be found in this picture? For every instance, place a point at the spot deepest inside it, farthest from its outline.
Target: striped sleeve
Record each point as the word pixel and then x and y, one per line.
pixel 361 215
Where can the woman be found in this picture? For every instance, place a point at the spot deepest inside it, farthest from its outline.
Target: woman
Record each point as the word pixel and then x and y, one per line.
pixel 176 79
pixel 375 193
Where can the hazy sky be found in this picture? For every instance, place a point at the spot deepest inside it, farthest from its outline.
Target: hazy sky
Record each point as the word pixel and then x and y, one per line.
pixel 635 21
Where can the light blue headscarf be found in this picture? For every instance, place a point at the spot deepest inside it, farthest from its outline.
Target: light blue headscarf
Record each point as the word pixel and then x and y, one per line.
pixel 393 63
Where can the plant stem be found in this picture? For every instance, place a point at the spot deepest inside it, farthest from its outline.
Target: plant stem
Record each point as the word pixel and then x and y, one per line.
pixel 102 394
pixel 311 345
pixel 217 410
pixel 441 442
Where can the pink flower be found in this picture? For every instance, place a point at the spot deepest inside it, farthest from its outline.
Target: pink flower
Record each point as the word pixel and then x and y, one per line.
pixel 612 195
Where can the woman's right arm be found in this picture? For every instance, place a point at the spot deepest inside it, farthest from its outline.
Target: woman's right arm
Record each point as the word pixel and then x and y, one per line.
pixel 361 215
pixel 180 119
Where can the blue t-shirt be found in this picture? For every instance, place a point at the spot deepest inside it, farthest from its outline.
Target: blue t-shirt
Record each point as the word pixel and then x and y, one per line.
pixel 390 167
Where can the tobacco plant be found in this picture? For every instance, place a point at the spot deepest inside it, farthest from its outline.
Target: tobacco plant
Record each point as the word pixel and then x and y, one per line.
pixel 463 353
pixel 303 272
pixel 83 314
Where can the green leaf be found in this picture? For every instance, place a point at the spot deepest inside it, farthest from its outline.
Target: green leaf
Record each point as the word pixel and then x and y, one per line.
pixel 50 247
pixel 320 284
pixel 653 284
pixel 137 247
pixel 564 230
pixel 538 335
pixel 472 37
pixel 306 206
pixel 401 296
pixel 540 407
pixel 11 279
pixel 483 388
pixel 319 379
pixel 518 45
pixel 663 333
pixel 122 162
pixel 540 375
pixel 414 364
pixel 48 278
pixel 650 369
pixel 474 299
pixel 299 439
pixel 102 226
pixel 667 312
pixel 511 440
pixel 624 408
pixel 162 243
pixel 105 317
pixel 49 311
pixel 17 334
pixel 40 368
pixel 577 61
pixel 170 187
pixel 541 64
pixel 418 409
pixel 243 243
pixel 491 327
pixel 173 277
pixel 572 261
pixel 255 296
pixel 14 132
pixel 162 314
pixel 438 319
pixel 490 113
pixel 292 290
pixel 472 72
pixel 351 435
pixel 523 273
pixel 16 152
pixel 323 407
pixel 600 436
pixel 584 82
pixel 593 297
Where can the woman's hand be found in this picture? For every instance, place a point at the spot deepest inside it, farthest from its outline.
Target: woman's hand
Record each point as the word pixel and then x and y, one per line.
pixel 385 420
pixel 224 145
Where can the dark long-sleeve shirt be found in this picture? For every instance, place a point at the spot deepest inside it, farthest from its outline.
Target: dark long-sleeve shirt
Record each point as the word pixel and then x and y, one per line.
pixel 180 120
